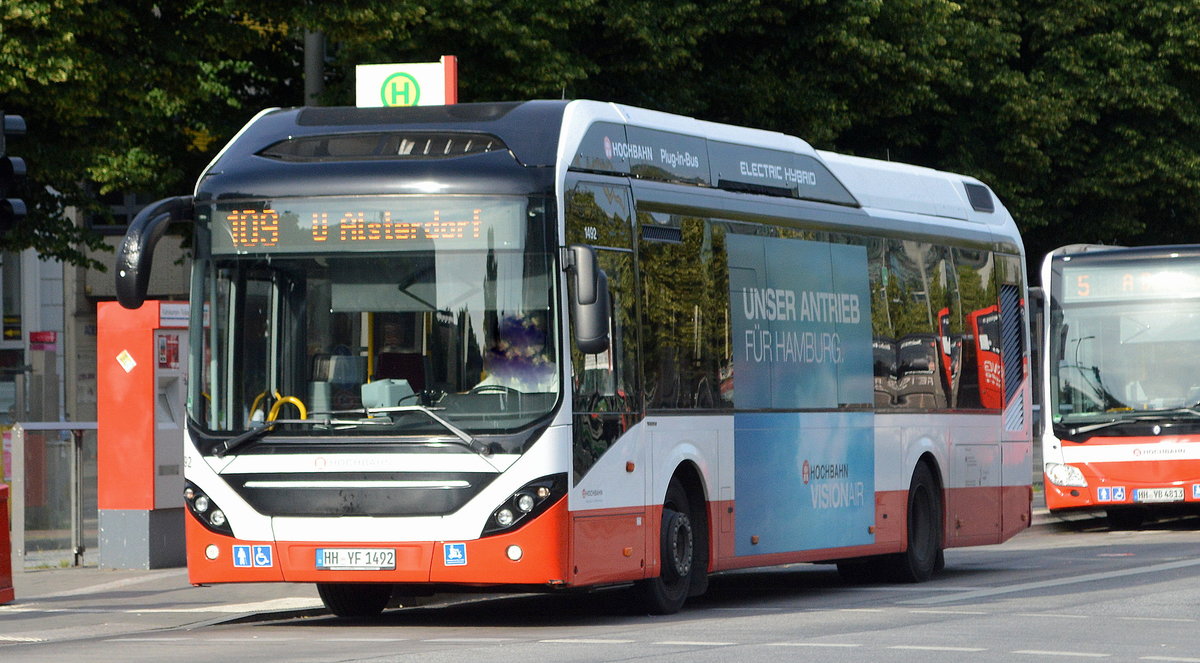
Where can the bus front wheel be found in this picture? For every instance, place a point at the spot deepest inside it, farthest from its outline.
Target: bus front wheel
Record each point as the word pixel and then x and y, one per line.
pixel 346 599
pixel 924 554
pixel 666 593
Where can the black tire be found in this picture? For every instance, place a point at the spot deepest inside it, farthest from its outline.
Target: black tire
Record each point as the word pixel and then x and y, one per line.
pixel 924 554
pixel 665 594
pixel 355 599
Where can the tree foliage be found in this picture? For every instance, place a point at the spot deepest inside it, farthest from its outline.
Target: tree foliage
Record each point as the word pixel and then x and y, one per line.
pixel 1081 114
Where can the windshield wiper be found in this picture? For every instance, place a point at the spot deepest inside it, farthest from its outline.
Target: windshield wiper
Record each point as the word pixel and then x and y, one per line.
pixel 1150 415
pixel 463 437
pixel 255 434
pixel 1079 430
pixel 249 437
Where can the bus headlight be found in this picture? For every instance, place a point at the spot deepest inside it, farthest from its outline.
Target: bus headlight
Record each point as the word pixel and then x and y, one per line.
pixel 205 510
pixel 504 517
pixel 1061 474
pixel 524 504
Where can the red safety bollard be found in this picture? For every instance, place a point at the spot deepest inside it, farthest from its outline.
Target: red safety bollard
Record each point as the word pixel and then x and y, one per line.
pixel 6 584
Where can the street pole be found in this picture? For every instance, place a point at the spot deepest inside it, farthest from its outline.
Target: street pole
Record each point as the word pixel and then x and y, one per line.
pixel 314 67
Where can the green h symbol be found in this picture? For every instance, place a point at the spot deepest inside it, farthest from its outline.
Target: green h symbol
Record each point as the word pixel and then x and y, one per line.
pixel 400 89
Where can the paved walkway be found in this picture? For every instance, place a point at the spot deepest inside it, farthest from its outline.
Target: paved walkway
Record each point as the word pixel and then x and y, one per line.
pixel 73 603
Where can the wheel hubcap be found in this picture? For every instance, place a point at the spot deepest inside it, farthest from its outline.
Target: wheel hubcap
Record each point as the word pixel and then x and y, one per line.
pixel 679 540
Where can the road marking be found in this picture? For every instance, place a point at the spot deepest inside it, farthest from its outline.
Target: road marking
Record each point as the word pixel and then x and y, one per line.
pixel 83 611
pixel 811 644
pixel 271 605
pixel 884 588
pixel 947 612
pixel 932 648
pixel 1029 586
pixel 256 639
pixel 860 610
pixel 693 643
pixel 1079 654
pixel 149 639
pixel 469 640
pixel 260 606
pixel 1052 615
pixel 588 641
pixel 20 638
pixel 362 639
pixel 1170 659
pixel 1159 619
pixel 747 609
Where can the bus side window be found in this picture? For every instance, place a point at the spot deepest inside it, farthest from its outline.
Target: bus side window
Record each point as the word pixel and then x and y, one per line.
pixel 685 312
pixel 606 398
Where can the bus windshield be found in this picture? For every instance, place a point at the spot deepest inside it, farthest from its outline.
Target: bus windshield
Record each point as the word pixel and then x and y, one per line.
pixel 364 316
pixel 1122 358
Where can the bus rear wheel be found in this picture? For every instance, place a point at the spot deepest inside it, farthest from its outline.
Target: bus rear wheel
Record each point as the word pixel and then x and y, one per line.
pixel 346 599
pixel 666 593
pixel 924 554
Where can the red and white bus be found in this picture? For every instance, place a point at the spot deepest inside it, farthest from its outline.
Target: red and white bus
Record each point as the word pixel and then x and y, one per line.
pixel 1121 338
pixel 549 345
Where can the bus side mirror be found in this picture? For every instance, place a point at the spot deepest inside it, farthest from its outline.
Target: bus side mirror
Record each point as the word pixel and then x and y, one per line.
pixel 589 308
pixel 137 249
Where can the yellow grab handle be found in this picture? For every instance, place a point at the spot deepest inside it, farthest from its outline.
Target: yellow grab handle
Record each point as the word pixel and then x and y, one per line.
pixel 274 413
pixel 257 401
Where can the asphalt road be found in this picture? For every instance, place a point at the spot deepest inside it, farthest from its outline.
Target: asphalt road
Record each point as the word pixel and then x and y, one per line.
pixel 1060 591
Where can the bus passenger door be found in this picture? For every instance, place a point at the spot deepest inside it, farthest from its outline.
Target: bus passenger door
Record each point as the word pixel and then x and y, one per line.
pixel 607 501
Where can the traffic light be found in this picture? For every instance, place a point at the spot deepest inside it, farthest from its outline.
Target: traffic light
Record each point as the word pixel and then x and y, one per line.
pixel 12 172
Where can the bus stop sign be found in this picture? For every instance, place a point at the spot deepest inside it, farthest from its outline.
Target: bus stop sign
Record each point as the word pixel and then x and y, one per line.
pixel 407 84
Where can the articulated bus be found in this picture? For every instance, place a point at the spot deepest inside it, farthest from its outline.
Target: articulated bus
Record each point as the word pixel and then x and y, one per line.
pixel 571 344
pixel 1121 341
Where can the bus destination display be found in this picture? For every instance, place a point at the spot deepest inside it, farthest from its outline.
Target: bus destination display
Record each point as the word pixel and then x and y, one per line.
pixel 1130 281
pixel 374 224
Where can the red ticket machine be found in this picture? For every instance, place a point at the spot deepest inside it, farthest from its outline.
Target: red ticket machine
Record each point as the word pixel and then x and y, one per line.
pixel 141 361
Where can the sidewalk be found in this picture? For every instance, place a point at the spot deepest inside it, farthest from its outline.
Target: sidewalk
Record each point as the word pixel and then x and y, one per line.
pixel 73 603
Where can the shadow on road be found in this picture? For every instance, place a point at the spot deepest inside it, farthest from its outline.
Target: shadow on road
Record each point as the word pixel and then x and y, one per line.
pixel 796 587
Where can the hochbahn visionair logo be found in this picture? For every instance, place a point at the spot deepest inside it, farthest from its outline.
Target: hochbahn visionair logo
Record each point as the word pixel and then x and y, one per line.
pixel 807 479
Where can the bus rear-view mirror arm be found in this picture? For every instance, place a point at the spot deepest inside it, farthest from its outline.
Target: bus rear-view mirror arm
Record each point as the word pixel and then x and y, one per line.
pixel 589 307
pixel 136 254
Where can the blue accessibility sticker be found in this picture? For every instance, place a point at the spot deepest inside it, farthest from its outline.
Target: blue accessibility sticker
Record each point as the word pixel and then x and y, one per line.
pixel 241 556
pixel 262 556
pixel 1118 493
pixel 455 554
pixel 252 556
pixel 1104 494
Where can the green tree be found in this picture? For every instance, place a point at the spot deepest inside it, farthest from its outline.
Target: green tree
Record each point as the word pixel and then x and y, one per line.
pixel 126 96
pixel 1081 114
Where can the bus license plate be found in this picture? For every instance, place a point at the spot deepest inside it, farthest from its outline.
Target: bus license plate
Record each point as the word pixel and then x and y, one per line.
pixel 1158 495
pixel 356 559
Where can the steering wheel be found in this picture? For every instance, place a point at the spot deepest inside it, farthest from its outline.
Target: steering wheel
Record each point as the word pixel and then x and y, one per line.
pixel 493 389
